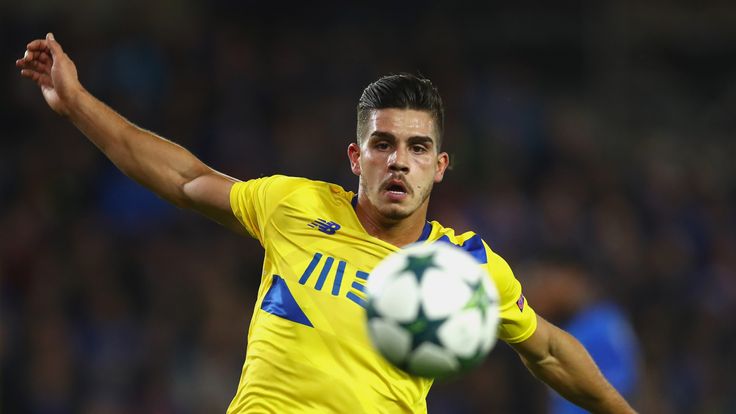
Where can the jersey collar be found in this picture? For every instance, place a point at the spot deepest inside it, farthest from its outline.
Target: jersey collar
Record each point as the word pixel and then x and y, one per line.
pixel 425 231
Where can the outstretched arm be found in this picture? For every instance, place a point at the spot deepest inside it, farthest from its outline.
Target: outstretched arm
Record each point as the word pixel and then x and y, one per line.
pixel 164 167
pixel 558 359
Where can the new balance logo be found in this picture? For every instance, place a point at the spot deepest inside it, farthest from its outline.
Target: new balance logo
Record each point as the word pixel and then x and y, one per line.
pixel 326 227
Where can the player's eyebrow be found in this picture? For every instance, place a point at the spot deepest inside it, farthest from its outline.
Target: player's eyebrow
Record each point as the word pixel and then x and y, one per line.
pixel 416 139
pixel 422 140
pixel 376 135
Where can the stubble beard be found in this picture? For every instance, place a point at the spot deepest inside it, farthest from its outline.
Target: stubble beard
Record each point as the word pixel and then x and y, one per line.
pixel 398 212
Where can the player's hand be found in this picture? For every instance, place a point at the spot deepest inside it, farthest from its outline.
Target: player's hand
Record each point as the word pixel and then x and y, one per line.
pixel 53 71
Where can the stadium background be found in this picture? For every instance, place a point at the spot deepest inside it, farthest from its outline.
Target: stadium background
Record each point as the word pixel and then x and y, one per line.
pixel 605 129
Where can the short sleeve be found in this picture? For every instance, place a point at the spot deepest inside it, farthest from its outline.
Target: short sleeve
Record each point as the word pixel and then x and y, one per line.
pixel 253 201
pixel 518 321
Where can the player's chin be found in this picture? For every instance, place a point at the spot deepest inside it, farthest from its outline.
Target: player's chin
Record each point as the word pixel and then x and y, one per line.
pixel 395 211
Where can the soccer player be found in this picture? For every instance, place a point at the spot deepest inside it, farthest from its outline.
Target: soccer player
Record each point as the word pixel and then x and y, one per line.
pixel 308 349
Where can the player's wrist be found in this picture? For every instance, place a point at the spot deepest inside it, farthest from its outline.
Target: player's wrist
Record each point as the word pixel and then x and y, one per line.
pixel 617 404
pixel 76 102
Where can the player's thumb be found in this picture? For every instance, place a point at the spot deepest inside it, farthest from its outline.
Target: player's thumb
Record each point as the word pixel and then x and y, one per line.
pixel 53 45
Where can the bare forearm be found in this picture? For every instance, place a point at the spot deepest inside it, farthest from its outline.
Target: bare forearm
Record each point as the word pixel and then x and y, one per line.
pixel 159 164
pixel 558 359
pixel 166 168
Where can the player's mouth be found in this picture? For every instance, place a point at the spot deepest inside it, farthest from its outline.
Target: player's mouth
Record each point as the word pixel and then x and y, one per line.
pixel 396 190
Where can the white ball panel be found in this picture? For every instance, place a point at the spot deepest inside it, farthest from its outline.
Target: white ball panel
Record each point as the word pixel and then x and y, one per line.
pixel 399 299
pixel 443 293
pixel 489 335
pixel 490 287
pixel 386 270
pixel 430 360
pixel 462 333
pixel 458 262
pixel 393 341
pixel 487 343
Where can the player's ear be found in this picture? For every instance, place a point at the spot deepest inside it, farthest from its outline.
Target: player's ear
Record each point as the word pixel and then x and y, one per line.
pixel 354 156
pixel 443 161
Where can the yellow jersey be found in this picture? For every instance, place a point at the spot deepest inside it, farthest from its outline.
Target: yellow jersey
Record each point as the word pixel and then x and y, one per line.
pixel 308 349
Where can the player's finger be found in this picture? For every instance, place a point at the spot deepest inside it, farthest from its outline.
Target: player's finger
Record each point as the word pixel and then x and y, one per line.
pixel 28 55
pixel 30 74
pixel 38 44
pixel 54 46
pixel 23 64
pixel 42 80
pixel 41 67
pixel 33 65
pixel 45 57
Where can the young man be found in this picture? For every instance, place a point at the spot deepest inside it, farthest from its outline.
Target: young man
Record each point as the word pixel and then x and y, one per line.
pixel 307 346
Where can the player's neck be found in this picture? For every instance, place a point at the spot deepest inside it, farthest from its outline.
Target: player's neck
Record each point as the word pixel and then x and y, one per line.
pixel 399 232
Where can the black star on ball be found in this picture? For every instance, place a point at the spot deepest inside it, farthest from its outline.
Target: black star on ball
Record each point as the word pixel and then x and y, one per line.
pixel 419 264
pixel 479 298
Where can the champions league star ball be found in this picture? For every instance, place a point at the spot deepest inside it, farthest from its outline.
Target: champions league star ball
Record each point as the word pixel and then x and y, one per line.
pixel 432 310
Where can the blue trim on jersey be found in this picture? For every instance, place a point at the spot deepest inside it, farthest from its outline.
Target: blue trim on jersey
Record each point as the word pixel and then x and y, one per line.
pixel 361 275
pixel 325 270
pixel 473 245
pixel 310 268
pixel 358 286
pixel 357 299
pixel 338 278
pixel 280 302
pixel 425 232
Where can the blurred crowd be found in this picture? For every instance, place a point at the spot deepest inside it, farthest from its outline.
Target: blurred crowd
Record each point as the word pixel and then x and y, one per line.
pixel 606 131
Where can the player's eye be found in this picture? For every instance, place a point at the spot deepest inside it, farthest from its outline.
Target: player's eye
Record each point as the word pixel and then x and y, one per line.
pixel 382 146
pixel 419 149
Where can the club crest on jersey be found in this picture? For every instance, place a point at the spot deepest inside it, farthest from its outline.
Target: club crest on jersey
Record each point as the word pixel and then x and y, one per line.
pixel 326 227
pixel 520 302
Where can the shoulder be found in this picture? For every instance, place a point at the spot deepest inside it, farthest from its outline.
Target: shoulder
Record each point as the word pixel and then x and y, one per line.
pixel 284 184
pixel 260 201
pixel 277 180
pixel 472 243
pixel 518 321
pixel 285 195
pixel 468 241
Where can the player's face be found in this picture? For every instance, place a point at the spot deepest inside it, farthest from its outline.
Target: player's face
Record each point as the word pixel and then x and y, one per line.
pixel 398 162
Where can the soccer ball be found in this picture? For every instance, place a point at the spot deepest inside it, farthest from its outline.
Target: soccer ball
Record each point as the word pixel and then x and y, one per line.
pixel 432 310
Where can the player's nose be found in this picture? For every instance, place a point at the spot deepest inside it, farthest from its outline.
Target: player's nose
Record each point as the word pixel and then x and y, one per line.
pixel 398 161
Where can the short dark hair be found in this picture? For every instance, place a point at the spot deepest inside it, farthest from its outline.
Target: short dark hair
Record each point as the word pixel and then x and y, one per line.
pixel 402 91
